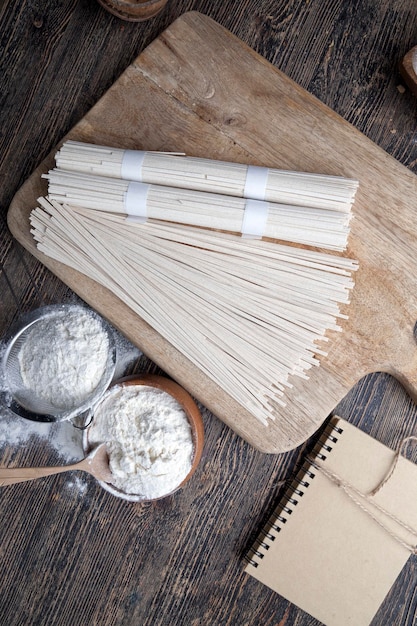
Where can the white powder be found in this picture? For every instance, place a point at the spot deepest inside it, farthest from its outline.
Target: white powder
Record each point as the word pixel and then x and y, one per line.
pixel 63 358
pixel 148 437
pixel 19 433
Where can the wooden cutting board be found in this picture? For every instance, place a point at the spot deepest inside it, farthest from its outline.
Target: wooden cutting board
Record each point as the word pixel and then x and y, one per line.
pixel 200 90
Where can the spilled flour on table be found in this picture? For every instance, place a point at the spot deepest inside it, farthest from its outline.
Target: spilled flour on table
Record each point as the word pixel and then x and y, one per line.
pixel 61 437
pixel 77 483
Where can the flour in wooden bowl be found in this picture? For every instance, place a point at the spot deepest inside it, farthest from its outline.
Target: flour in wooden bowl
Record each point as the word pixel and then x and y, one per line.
pixel 149 440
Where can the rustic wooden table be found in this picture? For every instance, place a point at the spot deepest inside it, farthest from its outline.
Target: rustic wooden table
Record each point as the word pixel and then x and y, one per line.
pixel 70 552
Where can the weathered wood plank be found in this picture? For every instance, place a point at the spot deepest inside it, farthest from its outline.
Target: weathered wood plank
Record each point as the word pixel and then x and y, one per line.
pixel 70 553
pixel 199 90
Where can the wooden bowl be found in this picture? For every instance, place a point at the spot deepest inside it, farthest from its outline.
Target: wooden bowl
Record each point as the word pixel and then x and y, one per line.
pixel 407 70
pixel 193 415
pixel 133 11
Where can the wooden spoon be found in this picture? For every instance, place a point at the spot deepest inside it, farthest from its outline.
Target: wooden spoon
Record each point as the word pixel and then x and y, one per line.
pixel 96 464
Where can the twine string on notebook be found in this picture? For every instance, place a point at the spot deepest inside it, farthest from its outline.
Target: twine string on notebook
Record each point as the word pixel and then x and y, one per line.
pixel 401 447
pixel 358 497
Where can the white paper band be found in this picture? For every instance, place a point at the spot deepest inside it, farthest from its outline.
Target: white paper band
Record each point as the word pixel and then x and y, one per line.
pixel 132 165
pixel 135 201
pixel 256 181
pixel 254 218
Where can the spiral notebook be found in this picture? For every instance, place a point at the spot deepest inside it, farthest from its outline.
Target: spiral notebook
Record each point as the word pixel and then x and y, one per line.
pixel 327 548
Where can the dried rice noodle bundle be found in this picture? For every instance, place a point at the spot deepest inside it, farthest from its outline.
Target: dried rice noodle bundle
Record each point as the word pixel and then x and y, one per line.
pixel 250 314
pixel 322 191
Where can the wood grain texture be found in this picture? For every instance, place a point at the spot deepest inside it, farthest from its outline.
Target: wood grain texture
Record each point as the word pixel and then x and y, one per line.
pixel 200 90
pixel 71 553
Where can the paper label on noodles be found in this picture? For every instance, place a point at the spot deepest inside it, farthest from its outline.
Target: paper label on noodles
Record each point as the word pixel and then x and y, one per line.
pixel 132 165
pixel 135 201
pixel 254 218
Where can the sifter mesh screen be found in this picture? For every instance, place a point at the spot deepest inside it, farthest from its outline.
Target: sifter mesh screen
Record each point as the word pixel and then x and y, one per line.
pixel 24 400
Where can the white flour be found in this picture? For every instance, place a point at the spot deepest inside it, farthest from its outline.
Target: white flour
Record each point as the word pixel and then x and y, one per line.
pixel 63 358
pixel 148 437
pixel 19 433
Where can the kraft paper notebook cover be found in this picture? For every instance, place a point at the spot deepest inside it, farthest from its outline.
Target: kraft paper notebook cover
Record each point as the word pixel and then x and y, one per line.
pixel 327 549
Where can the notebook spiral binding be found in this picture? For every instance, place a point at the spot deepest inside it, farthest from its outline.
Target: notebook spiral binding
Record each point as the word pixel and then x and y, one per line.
pixel 292 496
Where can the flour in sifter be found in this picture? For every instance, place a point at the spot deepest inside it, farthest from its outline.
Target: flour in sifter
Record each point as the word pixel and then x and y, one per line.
pixel 63 358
